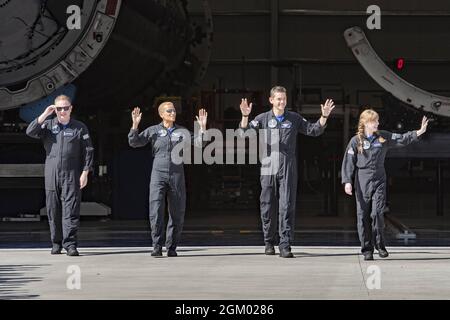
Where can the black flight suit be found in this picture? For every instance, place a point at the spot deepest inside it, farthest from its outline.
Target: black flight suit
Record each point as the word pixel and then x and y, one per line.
pixel 367 175
pixel 167 178
pixel 69 152
pixel 279 191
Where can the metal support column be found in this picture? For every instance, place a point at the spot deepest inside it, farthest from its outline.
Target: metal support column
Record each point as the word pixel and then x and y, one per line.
pixel 274 32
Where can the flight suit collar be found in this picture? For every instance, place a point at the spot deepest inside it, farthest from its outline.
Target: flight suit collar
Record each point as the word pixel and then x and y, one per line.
pixel 68 125
pixel 161 124
pixel 273 122
pixel 56 122
pixel 57 127
pixel 372 138
pixel 373 141
pixel 163 131
pixel 275 117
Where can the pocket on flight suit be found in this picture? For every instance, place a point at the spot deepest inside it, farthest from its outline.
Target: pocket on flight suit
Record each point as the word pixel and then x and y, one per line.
pixel 72 145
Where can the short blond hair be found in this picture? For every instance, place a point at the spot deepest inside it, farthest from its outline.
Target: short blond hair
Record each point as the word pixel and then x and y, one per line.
pixel 63 97
pixel 277 89
pixel 161 106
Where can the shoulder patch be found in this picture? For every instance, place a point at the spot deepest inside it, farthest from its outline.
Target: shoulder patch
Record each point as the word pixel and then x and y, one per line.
pixel 254 123
pixel 350 151
pixel 86 136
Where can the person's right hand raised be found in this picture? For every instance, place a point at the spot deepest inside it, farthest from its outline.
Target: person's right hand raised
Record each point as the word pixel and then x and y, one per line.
pixel 245 108
pixel 49 110
pixel 136 116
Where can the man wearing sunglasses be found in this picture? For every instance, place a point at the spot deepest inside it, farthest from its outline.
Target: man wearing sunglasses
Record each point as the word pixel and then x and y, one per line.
pixel 69 158
pixel 167 177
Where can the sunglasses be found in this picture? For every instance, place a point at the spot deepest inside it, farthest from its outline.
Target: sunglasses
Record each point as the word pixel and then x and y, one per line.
pixel 171 111
pixel 59 109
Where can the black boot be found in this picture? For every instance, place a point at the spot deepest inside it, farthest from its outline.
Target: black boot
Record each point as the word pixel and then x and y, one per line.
pixel 286 253
pixel 368 255
pixel 172 253
pixel 72 251
pixel 382 252
pixel 56 249
pixel 157 251
pixel 269 250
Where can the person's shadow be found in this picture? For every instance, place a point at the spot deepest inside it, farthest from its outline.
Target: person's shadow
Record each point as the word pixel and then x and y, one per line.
pixel 13 279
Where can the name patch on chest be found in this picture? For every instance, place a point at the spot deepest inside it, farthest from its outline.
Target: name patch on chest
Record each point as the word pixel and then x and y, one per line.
pixel 175 136
pixel 377 144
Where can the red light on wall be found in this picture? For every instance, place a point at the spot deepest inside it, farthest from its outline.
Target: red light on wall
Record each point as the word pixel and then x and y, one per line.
pixel 400 63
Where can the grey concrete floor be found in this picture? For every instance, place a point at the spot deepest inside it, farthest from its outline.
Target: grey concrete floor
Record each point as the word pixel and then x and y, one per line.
pixel 227 272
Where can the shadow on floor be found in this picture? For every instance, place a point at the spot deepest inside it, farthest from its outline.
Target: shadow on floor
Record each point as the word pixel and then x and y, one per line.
pixel 13 281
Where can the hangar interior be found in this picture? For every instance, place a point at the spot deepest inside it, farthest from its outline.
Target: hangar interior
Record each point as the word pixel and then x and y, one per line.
pixel 211 54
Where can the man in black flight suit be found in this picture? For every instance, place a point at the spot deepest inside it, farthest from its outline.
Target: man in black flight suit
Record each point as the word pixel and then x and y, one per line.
pixel 69 158
pixel 279 189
